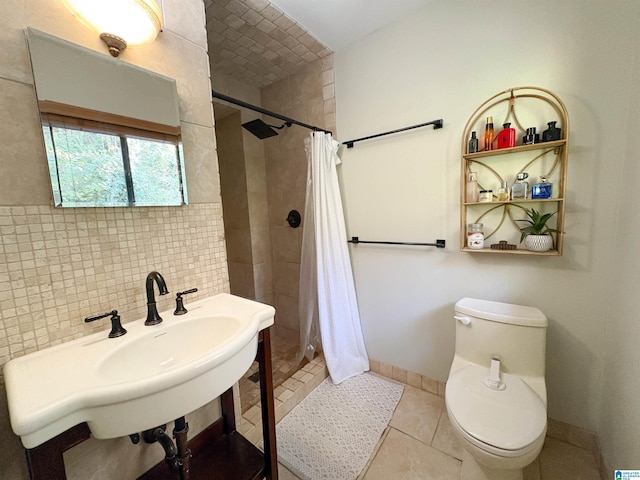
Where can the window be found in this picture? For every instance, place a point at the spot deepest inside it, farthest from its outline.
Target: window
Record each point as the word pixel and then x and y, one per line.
pixel 94 164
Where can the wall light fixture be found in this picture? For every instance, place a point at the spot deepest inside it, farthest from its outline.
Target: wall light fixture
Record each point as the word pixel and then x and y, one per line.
pixel 120 23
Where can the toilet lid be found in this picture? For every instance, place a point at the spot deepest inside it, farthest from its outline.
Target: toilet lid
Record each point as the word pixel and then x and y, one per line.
pixel 509 419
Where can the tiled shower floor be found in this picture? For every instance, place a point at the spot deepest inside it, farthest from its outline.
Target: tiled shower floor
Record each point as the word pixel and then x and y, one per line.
pixel 283 352
pixel 291 383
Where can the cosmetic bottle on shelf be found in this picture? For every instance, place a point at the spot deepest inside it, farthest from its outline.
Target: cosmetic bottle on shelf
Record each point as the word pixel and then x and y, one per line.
pixel 542 189
pixel 507 136
pixel 475 236
pixel 502 195
pixel 520 189
pixel 473 143
pixel 552 133
pixel 473 191
pixel 488 135
pixel 486 196
pixel 531 137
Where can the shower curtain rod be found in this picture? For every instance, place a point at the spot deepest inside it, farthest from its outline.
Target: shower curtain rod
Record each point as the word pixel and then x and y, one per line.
pixel 436 124
pixel 241 103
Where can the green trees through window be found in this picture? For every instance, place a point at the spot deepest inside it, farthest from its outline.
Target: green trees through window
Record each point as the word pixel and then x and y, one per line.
pixel 94 169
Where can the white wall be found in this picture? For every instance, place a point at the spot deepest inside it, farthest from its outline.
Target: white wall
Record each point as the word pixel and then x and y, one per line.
pixel 442 63
pixel 619 432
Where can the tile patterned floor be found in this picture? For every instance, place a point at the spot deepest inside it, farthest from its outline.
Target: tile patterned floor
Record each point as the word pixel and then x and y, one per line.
pixel 418 444
pixel 283 353
pixel 291 383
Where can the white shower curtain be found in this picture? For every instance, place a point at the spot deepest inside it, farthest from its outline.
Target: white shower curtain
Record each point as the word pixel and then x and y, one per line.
pixel 329 313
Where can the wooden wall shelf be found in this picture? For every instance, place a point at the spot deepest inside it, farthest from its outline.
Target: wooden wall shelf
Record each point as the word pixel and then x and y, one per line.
pixel 536 107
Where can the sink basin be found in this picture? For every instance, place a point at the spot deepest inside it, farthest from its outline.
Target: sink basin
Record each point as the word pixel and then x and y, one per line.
pixel 158 351
pixel 148 377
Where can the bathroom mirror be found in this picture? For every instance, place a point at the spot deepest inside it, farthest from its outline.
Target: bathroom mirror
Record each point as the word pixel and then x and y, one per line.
pixel 111 129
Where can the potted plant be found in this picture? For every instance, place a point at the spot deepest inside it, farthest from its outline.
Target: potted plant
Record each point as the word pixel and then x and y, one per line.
pixel 536 234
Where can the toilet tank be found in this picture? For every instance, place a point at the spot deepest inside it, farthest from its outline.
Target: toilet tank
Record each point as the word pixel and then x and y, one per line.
pixel 515 333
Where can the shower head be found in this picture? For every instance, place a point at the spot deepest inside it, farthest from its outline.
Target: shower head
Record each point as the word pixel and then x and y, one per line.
pixel 262 130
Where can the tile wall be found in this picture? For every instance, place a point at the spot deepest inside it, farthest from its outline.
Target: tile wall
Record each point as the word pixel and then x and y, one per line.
pixel 256 165
pixel 256 43
pixel 233 186
pixel 244 194
pixel 307 96
pixel 59 265
pixel 275 173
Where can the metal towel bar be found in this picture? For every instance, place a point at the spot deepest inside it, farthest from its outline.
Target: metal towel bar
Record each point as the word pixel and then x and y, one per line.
pixel 436 124
pixel 438 244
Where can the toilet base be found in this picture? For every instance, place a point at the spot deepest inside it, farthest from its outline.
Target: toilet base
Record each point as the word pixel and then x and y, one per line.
pixel 472 470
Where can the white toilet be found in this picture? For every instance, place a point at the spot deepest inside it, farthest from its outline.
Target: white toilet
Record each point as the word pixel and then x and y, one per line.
pixel 496 395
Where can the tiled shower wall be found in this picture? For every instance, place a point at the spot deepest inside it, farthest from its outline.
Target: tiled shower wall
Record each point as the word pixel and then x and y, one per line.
pixel 244 194
pixel 276 183
pixel 307 96
pixel 233 186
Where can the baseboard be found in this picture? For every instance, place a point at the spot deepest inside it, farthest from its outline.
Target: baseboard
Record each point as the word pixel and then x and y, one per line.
pixel 407 377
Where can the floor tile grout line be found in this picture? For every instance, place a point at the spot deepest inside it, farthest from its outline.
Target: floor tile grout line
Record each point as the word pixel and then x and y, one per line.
pixel 435 430
pixel 374 453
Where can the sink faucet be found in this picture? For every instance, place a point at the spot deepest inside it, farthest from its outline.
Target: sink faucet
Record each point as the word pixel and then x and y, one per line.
pixel 153 317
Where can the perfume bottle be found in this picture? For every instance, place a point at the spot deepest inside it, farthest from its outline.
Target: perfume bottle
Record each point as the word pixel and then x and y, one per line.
pixel 473 143
pixel 520 189
pixel 488 134
pixel 502 195
pixel 473 192
pixel 507 136
pixel 552 133
pixel 531 137
pixel 542 189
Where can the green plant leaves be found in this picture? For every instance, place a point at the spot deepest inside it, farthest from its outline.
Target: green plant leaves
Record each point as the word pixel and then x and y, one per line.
pixel 537 224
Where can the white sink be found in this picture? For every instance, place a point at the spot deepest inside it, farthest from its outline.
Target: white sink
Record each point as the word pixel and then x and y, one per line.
pixel 161 350
pixel 148 377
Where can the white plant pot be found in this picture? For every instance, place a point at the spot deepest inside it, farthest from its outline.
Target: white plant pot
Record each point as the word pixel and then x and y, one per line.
pixel 538 243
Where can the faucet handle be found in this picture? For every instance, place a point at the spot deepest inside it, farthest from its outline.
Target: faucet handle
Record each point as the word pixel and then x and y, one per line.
pixel 117 330
pixel 180 310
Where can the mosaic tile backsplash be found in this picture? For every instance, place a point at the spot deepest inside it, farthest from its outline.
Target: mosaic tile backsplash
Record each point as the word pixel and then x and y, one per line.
pixel 58 266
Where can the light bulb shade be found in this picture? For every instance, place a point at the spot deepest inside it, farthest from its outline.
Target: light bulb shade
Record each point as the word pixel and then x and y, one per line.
pixel 137 22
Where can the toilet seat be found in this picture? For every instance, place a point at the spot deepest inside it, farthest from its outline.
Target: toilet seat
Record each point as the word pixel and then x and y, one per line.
pixel 507 423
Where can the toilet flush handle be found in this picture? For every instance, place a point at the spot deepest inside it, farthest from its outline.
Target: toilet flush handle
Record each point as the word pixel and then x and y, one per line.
pixel 462 320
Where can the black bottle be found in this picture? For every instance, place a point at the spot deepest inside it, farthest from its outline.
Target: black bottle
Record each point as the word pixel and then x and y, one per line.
pixel 531 137
pixel 473 143
pixel 552 133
